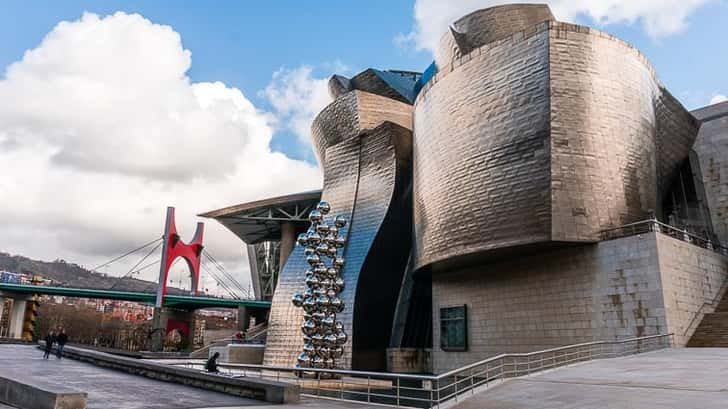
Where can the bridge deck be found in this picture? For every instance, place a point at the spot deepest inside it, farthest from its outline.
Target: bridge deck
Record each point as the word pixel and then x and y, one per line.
pixel 182 301
pixel 673 378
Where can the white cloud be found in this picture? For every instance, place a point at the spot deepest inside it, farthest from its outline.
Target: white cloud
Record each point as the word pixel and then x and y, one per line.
pixel 101 129
pixel 718 98
pixel 298 96
pixel 659 18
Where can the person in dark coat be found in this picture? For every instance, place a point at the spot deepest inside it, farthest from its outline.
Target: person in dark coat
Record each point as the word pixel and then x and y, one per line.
pixel 49 340
pixel 61 340
pixel 211 365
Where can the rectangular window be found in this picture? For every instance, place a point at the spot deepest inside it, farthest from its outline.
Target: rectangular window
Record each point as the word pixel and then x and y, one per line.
pixel 453 328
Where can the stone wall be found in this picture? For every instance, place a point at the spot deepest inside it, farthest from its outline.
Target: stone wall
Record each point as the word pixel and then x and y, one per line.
pixel 609 290
pixel 691 276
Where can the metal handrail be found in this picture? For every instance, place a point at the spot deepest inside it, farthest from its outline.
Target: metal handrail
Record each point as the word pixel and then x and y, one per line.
pixel 654 225
pixel 714 302
pixel 426 391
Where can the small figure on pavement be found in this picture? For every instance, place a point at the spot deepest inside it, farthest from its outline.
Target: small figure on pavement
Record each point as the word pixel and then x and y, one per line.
pixel 211 365
pixel 61 340
pixel 49 340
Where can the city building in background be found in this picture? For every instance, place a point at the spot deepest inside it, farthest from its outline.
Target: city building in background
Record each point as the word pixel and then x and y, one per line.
pixel 536 186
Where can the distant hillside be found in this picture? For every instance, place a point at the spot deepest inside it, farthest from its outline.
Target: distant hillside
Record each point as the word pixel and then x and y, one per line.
pixel 66 274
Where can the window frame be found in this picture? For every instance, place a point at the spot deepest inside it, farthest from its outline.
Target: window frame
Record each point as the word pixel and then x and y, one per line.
pixel 443 321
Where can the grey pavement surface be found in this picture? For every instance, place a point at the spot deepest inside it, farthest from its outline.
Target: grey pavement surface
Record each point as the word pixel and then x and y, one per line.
pixel 684 378
pixel 108 388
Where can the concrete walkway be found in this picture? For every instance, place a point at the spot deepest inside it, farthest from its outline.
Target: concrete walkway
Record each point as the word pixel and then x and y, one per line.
pixel 107 388
pixel 682 378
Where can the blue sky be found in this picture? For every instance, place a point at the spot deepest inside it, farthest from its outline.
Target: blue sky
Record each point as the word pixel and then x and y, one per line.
pixel 243 43
pixel 109 115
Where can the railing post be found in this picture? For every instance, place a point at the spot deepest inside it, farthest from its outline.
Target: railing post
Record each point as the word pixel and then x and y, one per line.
pixel 472 381
pixel 369 389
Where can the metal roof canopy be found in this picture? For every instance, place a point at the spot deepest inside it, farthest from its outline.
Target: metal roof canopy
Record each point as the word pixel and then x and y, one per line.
pixel 261 220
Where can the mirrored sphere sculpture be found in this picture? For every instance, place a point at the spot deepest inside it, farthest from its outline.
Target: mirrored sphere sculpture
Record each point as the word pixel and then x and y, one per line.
pixel 323 335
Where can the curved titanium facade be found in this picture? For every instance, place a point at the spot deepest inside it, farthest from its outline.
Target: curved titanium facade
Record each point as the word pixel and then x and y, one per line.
pixel 550 135
pixel 486 26
pixel 353 113
pixel 366 158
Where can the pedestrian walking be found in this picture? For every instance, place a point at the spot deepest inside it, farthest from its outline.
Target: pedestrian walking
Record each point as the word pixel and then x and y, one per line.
pixel 61 340
pixel 50 338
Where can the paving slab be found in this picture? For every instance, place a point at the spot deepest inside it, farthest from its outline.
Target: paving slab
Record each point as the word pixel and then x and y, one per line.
pixel 107 388
pixel 678 378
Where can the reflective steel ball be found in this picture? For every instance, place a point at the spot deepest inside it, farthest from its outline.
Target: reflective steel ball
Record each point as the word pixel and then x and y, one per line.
pixel 304 359
pixel 315 216
pixel 314 239
pixel 313 259
pixel 312 281
pixel 339 262
pixel 340 241
pixel 323 207
pixel 322 229
pixel 322 249
pixel 302 239
pixel 322 301
pixel 328 321
pixel 297 299
pixel 339 221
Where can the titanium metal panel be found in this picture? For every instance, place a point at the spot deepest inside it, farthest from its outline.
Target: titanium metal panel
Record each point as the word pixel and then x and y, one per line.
pixel 486 26
pixel 365 173
pixel 481 153
pixel 541 138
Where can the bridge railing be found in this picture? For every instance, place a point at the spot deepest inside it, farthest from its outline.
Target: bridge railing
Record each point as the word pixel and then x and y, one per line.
pixel 428 391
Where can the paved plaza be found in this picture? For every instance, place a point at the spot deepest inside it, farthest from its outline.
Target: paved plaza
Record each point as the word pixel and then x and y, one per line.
pixel 676 378
pixel 107 388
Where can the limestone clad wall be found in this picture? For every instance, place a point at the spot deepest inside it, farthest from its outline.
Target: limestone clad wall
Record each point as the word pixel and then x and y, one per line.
pixel 691 276
pixel 633 286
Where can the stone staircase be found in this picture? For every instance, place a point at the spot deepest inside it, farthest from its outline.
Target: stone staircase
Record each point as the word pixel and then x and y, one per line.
pixel 713 329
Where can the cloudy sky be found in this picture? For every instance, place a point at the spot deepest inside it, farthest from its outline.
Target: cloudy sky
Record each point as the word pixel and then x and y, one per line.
pixel 113 110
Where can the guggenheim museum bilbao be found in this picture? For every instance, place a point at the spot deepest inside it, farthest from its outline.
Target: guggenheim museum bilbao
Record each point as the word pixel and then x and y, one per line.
pixel 536 186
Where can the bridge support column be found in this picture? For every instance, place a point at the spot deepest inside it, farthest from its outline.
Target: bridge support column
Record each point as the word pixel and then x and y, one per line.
pixel 243 318
pixel 288 241
pixel 167 320
pixel 16 318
